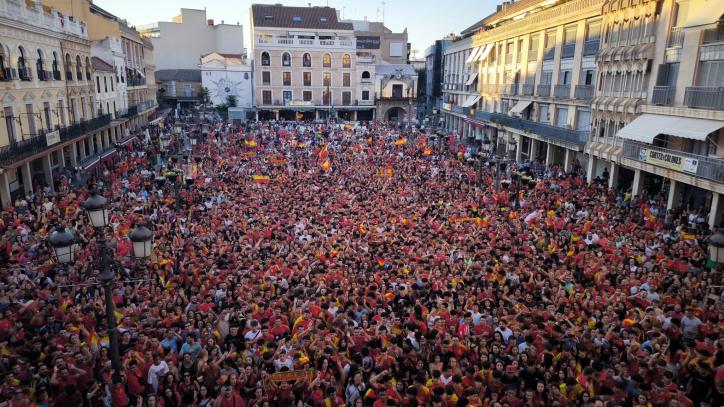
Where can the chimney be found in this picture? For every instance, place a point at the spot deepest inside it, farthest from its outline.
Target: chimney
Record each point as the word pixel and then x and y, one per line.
pixel 222 21
pixel 210 21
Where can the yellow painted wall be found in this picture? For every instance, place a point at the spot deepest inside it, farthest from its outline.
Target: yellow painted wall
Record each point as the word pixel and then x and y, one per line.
pixel 98 27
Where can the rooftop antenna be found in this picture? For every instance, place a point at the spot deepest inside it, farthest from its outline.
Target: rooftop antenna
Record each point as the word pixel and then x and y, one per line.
pixel 343 9
pixel 383 12
pixel 377 16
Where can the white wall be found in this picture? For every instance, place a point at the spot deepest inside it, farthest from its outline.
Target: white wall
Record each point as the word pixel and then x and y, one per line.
pixel 239 83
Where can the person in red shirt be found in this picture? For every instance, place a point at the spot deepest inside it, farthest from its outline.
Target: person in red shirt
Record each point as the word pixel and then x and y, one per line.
pixel 227 398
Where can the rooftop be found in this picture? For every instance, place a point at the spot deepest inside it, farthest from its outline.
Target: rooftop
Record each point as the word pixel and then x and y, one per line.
pixel 181 75
pixel 279 16
pixel 101 65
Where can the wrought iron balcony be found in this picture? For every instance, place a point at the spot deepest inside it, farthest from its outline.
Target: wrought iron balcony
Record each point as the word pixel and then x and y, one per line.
pixel 23 149
pixel 676 38
pixel 527 90
pixel 568 50
pixel 707 167
pixel 543 90
pixel 591 47
pixel 704 97
pixel 546 131
pixel 663 95
pixel 562 91
pixel 584 92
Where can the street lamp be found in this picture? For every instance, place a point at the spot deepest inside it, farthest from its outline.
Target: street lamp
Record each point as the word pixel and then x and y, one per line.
pixel 62 244
pixel 96 207
pixel 716 247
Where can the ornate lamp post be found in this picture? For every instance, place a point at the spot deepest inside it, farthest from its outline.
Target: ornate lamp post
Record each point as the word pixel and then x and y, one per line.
pixel 62 244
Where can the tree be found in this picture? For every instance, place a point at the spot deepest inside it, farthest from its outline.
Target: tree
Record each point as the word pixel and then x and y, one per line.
pixel 231 101
pixel 204 95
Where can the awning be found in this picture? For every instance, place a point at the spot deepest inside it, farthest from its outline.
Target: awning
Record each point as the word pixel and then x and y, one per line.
pixel 471 79
pixel 647 126
pixel 108 154
pixel 484 55
pixel 127 141
pixel 90 164
pixel 155 121
pixel 471 100
pixel 519 107
pixel 473 55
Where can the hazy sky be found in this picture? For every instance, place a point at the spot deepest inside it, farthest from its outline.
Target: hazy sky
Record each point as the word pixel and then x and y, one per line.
pixel 426 20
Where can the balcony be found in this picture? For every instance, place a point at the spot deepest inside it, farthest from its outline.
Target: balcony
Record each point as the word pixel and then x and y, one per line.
pixel 136 81
pixel 365 59
pixel 663 95
pixel 549 54
pixel 148 104
pixel 714 34
pixel 711 168
pixel 543 90
pixel 562 91
pixel 590 47
pixel 568 50
pixel 26 148
pixel 676 38
pixel 460 110
pixel 546 131
pixel 128 113
pixel 584 92
pixel 704 97
pixel 527 90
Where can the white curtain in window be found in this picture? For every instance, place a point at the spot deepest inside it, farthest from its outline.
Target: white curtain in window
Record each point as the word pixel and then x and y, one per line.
pixel 561 116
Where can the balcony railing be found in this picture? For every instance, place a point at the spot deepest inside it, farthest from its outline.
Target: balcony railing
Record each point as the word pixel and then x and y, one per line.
pixel 591 47
pixel 549 54
pixel 676 38
pixel 527 90
pixel 663 95
pixel 136 81
pixel 562 91
pixel 459 110
pixel 546 131
pixel 543 90
pixel 714 34
pixel 132 111
pixel 584 92
pixel 704 97
pixel 148 104
pixel 568 50
pixel 711 168
pixel 23 149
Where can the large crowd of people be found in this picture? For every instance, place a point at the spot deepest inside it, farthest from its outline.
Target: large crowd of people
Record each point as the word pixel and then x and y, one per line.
pixel 317 265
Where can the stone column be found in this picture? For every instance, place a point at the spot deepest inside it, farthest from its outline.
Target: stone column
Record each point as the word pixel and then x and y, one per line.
pixel 637 183
pixel 533 149
pixel 613 175
pixel 73 156
pixel 592 168
pixel 673 192
pixel 568 160
pixel 519 149
pixel 27 178
pixel 717 207
pixel 48 171
pixel 550 152
pixel 5 199
pixel 61 159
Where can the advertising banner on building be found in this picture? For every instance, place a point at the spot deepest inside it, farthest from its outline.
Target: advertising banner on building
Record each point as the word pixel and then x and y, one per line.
pixel 669 160
pixel 368 42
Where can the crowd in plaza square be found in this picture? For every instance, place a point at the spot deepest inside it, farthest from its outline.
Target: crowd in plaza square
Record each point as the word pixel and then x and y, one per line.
pixel 316 265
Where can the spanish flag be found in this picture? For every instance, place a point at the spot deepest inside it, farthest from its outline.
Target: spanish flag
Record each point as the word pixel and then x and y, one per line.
pixel 587 227
pixel 323 154
pixel 302 145
pixel 426 152
pixel 326 164
pixel 381 262
pixel 401 141
pixel 260 179
pixel 250 143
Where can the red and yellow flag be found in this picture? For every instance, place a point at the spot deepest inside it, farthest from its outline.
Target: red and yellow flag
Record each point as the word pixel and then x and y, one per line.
pixel 427 152
pixel 250 143
pixel 260 179
pixel 326 164
pixel 323 153
pixel 401 141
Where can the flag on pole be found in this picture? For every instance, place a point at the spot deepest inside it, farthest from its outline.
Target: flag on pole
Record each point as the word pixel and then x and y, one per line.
pixel 426 152
pixel 401 141
pixel 323 153
pixel 326 164
pixel 250 143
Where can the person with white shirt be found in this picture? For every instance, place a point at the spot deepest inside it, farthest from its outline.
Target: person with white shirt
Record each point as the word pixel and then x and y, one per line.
pixel 504 330
pixel 158 369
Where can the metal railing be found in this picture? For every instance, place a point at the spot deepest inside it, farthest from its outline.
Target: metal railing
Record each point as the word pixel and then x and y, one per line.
pixel 483 115
pixel 583 92
pixel 543 90
pixel 136 81
pixel 562 91
pixel 132 111
pixel 546 131
pixel 707 167
pixel 591 47
pixel 568 50
pixel 459 110
pixel 676 38
pixel 704 97
pixel 663 95
pixel 714 34
pixel 23 149
pixel 527 89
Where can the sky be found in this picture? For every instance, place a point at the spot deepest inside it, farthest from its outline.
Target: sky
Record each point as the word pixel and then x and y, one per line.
pixel 425 20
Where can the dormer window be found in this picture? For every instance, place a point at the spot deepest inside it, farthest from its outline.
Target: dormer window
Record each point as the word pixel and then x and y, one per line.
pixel 297 19
pixel 323 20
pixel 268 18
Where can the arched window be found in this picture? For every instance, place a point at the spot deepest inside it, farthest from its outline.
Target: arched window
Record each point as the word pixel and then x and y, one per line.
pixel 78 68
pixel 56 68
pixel 286 59
pixel 68 67
pixel 265 61
pixel 366 75
pixel 327 61
pixel 40 66
pixel 307 60
pixel 87 69
pixel 23 71
pixel 3 76
pixel 346 61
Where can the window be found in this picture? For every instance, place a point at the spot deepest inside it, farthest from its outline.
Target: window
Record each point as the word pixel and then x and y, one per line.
pixel 98 84
pixel 569 35
pixel 78 68
pixel 614 35
pixel 31 119
pixel 346 98
pixel 396 49
pixel 287 78
pixel 307 60
pixel 396 91
pixel 10 124
pixel 21 61
pixel 346 61
pixel 593 31
pixel 307 78
pixel 365 95
pixel 565 77
pixel 111 84
pixel 562 116
pixel 635 31
pixel 346 79
pixel 323 20
pixel 105 84
pixel 40 66
pixel 623 39
pixel 188 90
pixel 546 77
pixel 711 73
pixel 286 59
pixel 307 95
pixel 46 113
pixel 543 114
pixel 56 68
pixel 82 108
pixel 365 76
pixel 326 79
pixel 583 122
pixel 296 19
pixel 588 76
pixel 287 95
pixel 533 48
pixel 327 61
pixel 265 60
pixel 87 69
pixel 266 97
pixel 266 78
pixel 326 97
pixel 61 109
